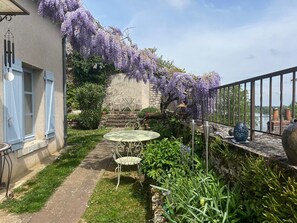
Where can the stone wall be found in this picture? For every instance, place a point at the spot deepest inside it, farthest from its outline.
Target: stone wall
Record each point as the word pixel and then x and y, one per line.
pixel 128 94
pixel 155 98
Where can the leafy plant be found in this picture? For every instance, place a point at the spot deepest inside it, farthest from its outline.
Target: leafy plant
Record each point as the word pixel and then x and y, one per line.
pixel 144 111
pixel 268 192
pixel 90 96
pixel 71 97
pixel 168 126
pixel 72 117
pixel 200 197
pixel 89 119
pixel 161 156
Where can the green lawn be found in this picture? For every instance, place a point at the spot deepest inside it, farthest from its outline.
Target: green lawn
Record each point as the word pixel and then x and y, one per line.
pixel 33 195
pixel 128 204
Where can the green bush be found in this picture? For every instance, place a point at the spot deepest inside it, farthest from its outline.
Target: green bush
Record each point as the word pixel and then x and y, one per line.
pixel 161 156
pixel 89 119
pixel 268 192
pixel 190 194
pixel 159 126
pixel 71 97
pixel 72 117
pixel 169 126
pixel 143 112
pixel 90 96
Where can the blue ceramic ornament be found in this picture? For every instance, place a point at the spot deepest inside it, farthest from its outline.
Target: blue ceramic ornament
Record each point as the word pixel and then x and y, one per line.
pixel 240 132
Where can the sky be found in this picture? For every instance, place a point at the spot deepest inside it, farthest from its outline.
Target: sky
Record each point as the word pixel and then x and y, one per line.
pixel 238 39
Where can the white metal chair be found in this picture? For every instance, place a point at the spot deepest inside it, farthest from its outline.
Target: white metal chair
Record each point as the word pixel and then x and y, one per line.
pixel 127 154
pixel 132 125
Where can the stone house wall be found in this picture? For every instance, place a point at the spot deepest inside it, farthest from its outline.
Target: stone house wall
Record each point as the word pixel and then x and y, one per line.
pixel 128 94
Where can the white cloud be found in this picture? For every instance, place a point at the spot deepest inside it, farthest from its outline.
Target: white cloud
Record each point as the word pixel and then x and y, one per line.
pixel 235 52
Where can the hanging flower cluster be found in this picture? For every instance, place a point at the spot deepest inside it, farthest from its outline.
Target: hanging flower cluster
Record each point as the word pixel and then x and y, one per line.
pixel 88 37
pixel 56 9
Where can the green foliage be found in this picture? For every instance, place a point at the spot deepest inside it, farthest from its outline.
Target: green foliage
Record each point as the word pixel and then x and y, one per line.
pixel 89 119
pixel 200 197
pixel 72 117
pixel 161 156
pixel 90 96
pixel 33 195
pixel 190 194
pixel 224 99
pixel 91 70
pixel 268 193
pixel 274 195
pixel 168 126
pixel 71 97
pixel 159 126
pixel 105 110
pixel 144 111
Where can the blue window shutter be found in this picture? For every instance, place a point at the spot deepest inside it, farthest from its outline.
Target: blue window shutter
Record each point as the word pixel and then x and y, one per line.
pixel 49 105
pixel 13 107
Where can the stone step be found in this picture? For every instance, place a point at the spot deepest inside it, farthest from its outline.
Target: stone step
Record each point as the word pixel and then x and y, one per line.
pixel 119 118
pixel 123 113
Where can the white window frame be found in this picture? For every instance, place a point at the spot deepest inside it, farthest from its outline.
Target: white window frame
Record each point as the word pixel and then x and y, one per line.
pixel 32 135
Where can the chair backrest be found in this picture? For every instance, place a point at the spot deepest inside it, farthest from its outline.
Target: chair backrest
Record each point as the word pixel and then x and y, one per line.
pixel 128 149
pixel 132 125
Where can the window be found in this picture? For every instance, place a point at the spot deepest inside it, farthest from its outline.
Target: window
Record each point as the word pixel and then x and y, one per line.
pixel 28 104
pixel 23 104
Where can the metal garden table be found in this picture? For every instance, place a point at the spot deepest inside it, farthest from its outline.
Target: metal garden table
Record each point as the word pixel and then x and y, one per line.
pixel 129 142
pixel 131 135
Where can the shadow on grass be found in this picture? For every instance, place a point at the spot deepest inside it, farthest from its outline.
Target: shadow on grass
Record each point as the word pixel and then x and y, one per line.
pixel 130 203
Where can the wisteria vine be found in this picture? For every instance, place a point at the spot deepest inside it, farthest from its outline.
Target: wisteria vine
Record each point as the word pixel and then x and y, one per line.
pixel 88 37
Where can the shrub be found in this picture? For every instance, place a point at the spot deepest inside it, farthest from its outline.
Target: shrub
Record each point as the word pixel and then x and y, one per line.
pixel 90 96
pixel 161 156
pixel 169 126
pixel 72 117
pixel 71 97
pixel 89 119
pixel 159 126
pixel 191 195
pixel 268 193
pixel 143 112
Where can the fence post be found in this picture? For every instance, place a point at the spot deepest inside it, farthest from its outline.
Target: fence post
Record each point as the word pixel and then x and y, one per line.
pixel 252 111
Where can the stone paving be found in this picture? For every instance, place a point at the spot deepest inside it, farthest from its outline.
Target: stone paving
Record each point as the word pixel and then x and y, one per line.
pixel 69 202
pixel 264 144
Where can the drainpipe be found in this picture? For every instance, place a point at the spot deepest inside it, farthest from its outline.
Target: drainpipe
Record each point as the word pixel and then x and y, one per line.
pixel 64 89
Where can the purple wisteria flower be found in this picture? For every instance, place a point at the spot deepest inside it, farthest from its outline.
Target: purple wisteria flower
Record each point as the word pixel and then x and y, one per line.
pixel 88 37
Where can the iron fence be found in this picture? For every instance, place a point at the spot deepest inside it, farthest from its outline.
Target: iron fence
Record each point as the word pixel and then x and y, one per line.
pixel 265 103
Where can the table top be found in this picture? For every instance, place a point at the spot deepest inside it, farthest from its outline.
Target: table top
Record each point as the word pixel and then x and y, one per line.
pixel 131 135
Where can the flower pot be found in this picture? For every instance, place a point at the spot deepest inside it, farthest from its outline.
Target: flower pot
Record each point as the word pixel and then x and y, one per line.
pixel 289 142
pixel 240 132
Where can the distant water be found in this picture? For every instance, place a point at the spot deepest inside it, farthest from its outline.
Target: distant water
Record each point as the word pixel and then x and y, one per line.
pixel 265 119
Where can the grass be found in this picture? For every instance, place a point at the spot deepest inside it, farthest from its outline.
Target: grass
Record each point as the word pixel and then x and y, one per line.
pixel 128 204
pixel 33 195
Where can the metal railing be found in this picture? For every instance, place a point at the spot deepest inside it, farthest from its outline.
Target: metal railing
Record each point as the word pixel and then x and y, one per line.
pixel 254 101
